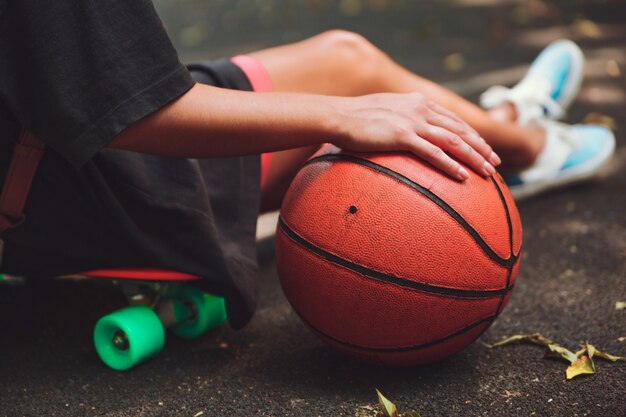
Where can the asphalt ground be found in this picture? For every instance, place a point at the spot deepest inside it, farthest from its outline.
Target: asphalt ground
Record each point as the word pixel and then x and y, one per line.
pixel 574 260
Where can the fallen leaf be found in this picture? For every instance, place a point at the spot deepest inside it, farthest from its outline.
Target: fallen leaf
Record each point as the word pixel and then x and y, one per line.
pixel 600 119
pixel 350 8
pixel 512 339
pixel 389 408
pixel 591 350
pixel 612 68
pixel 541 340
pixel 534 338
pixel 454 62
pixel 620 305
pixel 580 366
pixel 509 394
pixel 581 351
pixel 608 356
pixel 411 414
pixel 366 411
pixel 587 28
pixel 296 402
pixel 566 354
pixel 581 362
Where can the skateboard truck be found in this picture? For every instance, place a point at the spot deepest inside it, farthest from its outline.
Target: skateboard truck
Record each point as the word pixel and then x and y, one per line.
pixel 136 333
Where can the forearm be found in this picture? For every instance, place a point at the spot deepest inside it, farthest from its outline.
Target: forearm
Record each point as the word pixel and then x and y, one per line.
pixel 210 122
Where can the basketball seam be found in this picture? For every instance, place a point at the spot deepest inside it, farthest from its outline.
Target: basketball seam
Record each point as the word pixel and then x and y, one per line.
pixel 397 349
pixel 428 194
pixel 381 276
pixel 510 225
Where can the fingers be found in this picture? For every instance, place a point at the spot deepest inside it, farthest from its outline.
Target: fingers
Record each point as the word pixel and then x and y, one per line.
pixel 445 112
pixel 455 145
pixel 414 123
pixel 434 155
pixel 446 119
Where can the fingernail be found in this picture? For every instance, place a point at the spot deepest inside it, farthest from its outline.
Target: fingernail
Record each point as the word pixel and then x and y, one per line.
pixel 495 159
pixel 489 169
pixel 463 174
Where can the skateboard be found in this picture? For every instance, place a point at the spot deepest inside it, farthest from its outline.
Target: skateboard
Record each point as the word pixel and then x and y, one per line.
pixel 159 300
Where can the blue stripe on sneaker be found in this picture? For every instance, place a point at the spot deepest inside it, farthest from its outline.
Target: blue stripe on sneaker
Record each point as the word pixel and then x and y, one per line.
pixel 593 138
pixel 554 63
pixel 561 82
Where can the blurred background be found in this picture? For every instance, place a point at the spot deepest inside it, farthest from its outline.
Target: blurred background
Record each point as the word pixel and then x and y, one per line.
pixel 446 40
pixel 574 259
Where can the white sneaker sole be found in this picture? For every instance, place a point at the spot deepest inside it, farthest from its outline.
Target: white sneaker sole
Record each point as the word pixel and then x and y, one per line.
pixel 568 177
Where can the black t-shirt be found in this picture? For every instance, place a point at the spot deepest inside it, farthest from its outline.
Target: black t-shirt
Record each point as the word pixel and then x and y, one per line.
pixel 78 72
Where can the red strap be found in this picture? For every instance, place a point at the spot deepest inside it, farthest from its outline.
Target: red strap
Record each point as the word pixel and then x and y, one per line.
pixel 26 156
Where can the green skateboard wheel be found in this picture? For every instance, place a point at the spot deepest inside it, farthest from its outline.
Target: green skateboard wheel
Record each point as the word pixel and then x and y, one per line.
pixel 128 337
pixel 197 312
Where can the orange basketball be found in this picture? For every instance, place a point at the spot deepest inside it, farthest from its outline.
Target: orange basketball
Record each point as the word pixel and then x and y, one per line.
pixel 387 258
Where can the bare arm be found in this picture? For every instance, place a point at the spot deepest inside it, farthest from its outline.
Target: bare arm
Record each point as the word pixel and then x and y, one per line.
pixel 211 122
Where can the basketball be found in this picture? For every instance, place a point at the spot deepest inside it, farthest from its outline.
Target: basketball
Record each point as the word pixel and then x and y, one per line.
pixel 387 258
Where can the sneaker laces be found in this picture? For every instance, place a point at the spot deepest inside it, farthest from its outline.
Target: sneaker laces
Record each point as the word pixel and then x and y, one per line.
pixel 531 99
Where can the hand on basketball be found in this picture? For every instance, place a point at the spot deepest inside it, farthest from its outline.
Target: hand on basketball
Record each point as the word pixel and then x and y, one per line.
pixel 411 122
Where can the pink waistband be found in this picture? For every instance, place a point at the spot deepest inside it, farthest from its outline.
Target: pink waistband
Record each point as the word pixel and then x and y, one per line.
pixel 255 71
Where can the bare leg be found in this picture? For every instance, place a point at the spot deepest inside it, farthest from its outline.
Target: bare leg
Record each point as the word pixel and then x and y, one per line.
pixel 345 64
pixel 284 166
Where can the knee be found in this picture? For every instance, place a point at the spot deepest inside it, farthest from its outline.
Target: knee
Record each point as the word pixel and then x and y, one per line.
pixel 350 46
pixel 352 50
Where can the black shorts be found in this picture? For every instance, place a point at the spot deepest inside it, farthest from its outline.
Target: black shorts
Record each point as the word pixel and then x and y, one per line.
pixel 130 210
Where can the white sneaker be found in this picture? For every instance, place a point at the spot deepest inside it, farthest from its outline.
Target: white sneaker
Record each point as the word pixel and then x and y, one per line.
pixel 571 154
pixel 547 89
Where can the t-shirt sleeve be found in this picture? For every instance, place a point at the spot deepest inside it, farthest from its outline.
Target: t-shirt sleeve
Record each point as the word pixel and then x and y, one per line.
pixel 78 72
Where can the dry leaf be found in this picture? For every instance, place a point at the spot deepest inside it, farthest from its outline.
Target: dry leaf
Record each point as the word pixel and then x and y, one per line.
pixel 389 408
pixel 581 362
pixel 620 305
pixel 587 28
pixel 566 354
pixel 366 411
pixel 506 341
pixel 591 350
pixel 600 119
pixel 534 338
pixel 454 62
pixel 612 68
pixel 351 8
pixel 581 351
pixel 607 356
pixel 580 366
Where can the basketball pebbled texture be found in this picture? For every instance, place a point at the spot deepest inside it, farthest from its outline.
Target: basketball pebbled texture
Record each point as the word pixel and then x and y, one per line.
pixel 387 258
